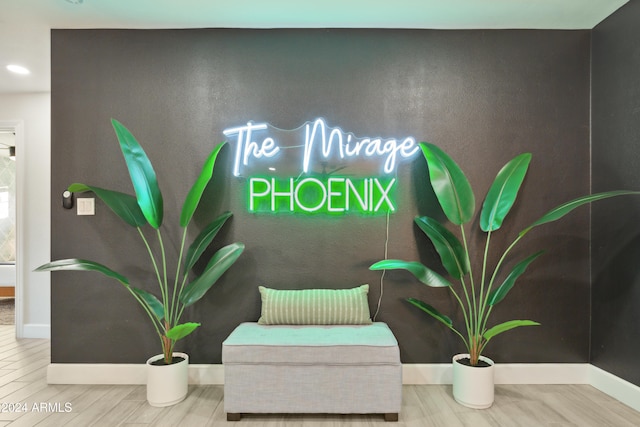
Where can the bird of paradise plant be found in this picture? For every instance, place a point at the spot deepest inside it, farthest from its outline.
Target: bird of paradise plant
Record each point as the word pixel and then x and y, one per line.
pixel 177 292
pixel 478 293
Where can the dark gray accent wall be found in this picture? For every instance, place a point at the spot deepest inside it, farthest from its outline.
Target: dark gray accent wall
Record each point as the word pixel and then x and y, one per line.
pixel 483 96
pixel 616 164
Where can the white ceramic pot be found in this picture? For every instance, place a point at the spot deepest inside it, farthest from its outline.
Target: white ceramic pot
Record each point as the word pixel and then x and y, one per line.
pixel 473 386
pixel 167 384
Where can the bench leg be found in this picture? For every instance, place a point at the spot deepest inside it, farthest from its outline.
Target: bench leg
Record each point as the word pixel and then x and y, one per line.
pixel 231 416
pixel 393 416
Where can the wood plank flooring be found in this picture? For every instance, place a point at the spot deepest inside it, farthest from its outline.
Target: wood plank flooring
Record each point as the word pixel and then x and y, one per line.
pixel 23 366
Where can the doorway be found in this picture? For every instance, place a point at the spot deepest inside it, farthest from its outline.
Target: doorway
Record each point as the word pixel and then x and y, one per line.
pixel 7 226
pixel 10 291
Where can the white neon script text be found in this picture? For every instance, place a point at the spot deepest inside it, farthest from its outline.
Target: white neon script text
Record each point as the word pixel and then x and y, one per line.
pixel 333 141
pixel 246 148
pixel 370 147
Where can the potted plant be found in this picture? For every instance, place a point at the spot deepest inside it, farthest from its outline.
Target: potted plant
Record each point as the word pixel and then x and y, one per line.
pixel 176 291
pixel 478 292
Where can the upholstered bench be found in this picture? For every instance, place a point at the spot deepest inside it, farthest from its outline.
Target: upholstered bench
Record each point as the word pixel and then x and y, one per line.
pixel 343 369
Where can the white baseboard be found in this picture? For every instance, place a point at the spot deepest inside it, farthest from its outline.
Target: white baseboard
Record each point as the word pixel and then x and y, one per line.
pixel 433 373
pixel 534 373
pixel 514 373
pixel 84 373
pixel 542 373
pixel 96 373
pixel 616 387
pixel 34 330
pixel 87 373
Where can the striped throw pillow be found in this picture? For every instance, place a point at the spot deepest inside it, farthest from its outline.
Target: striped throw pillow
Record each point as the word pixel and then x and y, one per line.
pixel 315 306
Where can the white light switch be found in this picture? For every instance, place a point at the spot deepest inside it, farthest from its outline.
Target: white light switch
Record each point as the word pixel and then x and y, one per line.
pixel 86 206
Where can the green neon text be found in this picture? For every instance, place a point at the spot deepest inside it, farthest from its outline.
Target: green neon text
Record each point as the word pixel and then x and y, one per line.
pixel 333 195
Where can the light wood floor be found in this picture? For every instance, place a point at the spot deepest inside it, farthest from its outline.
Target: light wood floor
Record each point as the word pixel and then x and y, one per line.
pixel 23 381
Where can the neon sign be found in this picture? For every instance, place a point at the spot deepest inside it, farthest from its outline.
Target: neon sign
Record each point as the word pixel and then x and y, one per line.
pixel 333 195
pixel 295 170
pixel 333 142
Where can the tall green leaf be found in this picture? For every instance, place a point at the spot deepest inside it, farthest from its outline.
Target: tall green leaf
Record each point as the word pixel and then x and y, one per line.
pixel 124 205
pixel 193 197
pixel 507 326
pixel 452 253
pixel 563 209
pixel 449 184
pixel 500 292
pixel 503 192
pixel 83 265
pixel 204 239
pixel 180 331
pixel 421 272
pixel 431 311
pixel 143 177
pixel 152 303
pixel 219 263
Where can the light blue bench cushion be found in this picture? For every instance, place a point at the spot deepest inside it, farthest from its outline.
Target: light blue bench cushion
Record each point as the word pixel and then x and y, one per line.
pixel 251 343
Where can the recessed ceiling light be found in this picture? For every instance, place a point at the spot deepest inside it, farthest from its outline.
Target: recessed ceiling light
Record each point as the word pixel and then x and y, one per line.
pixel 75 1
pixel 18 69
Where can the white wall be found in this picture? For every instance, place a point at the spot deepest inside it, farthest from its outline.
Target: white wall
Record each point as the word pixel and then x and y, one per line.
pixel 32 114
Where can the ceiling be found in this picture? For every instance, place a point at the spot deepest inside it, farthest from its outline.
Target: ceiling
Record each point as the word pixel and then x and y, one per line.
pixel 25 24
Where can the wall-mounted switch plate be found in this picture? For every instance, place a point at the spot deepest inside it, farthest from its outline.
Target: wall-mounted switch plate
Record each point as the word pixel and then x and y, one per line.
pixel 86 206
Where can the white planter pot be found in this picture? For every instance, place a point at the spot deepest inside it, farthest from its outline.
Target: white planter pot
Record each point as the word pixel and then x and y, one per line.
pixel 473 386
pixel 167 384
